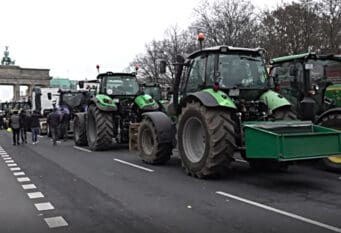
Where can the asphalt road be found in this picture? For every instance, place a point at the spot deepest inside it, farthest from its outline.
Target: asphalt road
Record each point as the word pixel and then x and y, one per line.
pixel 113 191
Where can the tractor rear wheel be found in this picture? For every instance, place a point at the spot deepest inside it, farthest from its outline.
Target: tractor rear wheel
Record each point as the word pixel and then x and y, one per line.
pixel 79 131
pixel 100 128
pixel 332 163
pixel 150 150
pixel 206 140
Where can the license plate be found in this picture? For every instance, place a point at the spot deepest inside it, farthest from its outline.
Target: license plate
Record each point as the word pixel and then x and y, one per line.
pixel 116 100
pixel 234 92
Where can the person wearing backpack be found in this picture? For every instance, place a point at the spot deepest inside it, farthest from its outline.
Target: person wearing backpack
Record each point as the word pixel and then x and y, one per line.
pixel 14 123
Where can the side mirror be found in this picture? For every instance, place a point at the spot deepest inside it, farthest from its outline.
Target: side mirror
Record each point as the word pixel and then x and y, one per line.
pixel 49 96
pixel 81 84
pixel 163 66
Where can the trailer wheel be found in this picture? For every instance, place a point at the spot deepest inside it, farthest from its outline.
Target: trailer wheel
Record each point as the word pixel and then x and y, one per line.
pixel 206 140
pixel 79 131
pixel 150 150
pixel 332 163
pixel 100 128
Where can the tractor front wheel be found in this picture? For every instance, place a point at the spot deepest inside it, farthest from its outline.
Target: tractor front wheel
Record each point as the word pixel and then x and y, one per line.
pixel 150 150
pixel 206 140
pixel 332 163
pixel 100 128
pixel 79 131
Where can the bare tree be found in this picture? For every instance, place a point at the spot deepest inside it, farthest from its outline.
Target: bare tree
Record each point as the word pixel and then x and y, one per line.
pixel 330 13
pixel 230 22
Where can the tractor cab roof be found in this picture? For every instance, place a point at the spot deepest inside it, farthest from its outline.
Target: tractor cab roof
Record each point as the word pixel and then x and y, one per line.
pixel 303 57
pixel 225 49
pixel 133 75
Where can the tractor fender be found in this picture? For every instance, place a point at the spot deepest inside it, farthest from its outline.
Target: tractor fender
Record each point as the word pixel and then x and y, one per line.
pixel 104 103
pixel 165 128
pixel 274 100
pixel 210 98
pixel 330 111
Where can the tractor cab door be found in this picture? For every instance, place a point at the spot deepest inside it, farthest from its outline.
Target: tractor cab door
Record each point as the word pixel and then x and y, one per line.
pixel 195 76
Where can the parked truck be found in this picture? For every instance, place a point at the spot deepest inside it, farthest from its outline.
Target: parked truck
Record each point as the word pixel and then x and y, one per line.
pixel 313 84
pixel 223 104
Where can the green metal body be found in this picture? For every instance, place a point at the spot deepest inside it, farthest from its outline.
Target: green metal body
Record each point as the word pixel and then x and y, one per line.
pixel 145 102
pixel 333 92
pixel 222 99
pixel 274 100
pixel 293 140
pixel 104 102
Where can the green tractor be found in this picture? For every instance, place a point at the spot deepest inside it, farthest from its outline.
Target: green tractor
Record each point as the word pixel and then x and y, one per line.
pixel 223 104
pixel 313 84
pixel 117 103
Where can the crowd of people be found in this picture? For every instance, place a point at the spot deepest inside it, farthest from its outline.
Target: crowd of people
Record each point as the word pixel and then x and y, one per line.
pixel 22 122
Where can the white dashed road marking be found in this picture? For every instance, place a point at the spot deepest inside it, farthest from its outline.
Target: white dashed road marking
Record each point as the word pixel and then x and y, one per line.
pixel 134 165
pixel 12 165
pixel 35 195
pixel 295 216
pixel 7 158
pixel 82 149
pixel 55 222
pixel 29 186
pixel 19 173
pixel 9 161
pixel 15 169
pixel 23 179
pixel 44 206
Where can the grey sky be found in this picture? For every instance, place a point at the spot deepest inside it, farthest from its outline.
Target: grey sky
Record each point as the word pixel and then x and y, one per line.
pixel 71 37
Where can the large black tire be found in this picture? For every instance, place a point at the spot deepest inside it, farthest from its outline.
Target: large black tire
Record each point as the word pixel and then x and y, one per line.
pixel 206 140
pixel 100 128
pixel 333 163
pixel 79 130
pixel 150 150
pixel 284 114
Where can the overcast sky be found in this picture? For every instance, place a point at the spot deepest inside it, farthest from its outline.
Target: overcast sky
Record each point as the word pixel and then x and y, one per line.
pixel 71 37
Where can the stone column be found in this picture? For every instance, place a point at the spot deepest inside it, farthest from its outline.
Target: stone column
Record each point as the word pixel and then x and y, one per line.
pixel 16 92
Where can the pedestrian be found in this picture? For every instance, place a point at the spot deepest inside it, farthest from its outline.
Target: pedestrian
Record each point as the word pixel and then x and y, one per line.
pixel 24 121
pixel 35 126
pixel 64 122
pixel 53 122
pixel 14 123
pixel 2 122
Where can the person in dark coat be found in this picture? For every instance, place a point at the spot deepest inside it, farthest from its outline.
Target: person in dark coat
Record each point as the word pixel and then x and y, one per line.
pixel 53 121
pixel 24 121
pixel 65 118
pixel 2 123
pixel 35 126
pixel 14 123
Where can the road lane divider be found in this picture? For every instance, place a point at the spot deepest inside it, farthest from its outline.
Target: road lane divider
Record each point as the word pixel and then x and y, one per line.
pixel 35 195
pixel 55 222
pixel 82 149
pixel 281 212
pixel 15 169
pixel 134 165
pixel 44 206
pixel 52 222
pixel 23 179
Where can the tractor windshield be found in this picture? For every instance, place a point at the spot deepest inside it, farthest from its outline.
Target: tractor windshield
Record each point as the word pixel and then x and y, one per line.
pixel 328 69
pixel 153 92
pixel 121 85
pixel 242 71
pixel 72 99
